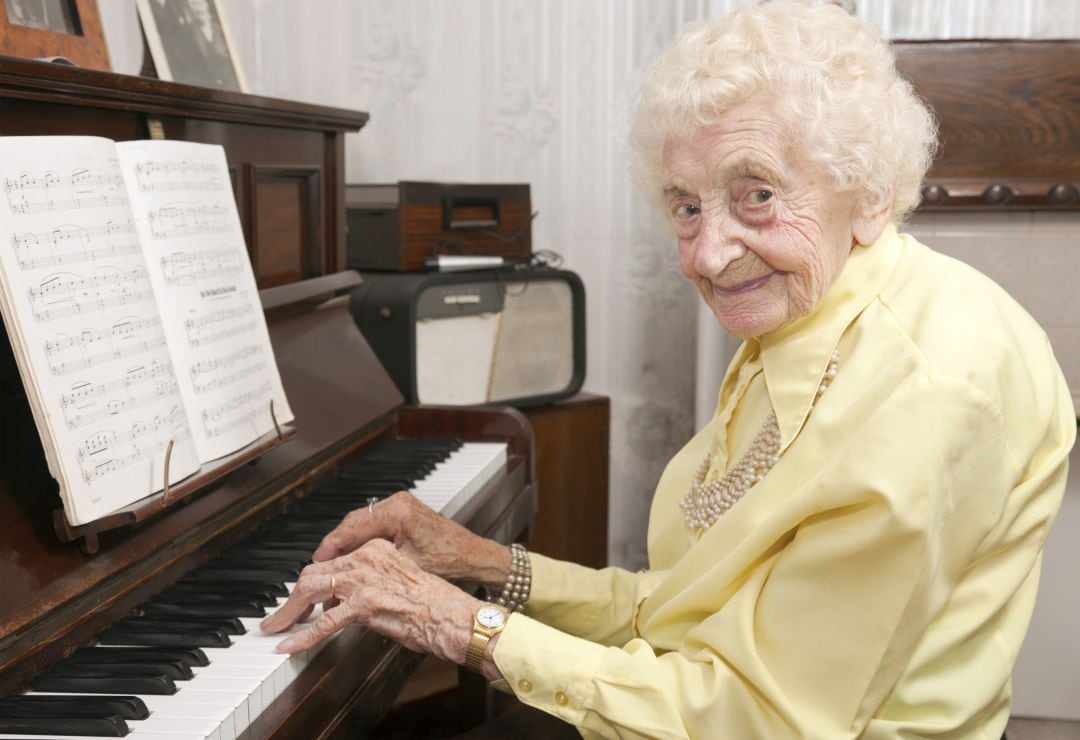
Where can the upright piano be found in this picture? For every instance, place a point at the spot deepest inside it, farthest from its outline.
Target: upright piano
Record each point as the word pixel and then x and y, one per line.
pixel 187 574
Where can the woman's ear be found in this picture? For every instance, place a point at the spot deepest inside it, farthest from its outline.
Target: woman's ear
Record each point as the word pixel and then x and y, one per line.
pixel 869 221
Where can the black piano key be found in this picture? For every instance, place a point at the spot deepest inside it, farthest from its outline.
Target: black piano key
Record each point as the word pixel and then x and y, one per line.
pixel 209 609
pixel 175 671
pixel 94 727
pixel 187 640
pixel 285 565
pixel 104 654
pixel 46 705
pixel 244 589
pixel 300 555
pixel 300 525
pixel 254 575
pixel 180 624
pixel 157 685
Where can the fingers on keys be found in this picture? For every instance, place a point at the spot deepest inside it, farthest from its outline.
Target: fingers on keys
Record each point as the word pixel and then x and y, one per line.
pixel 311 588
pixel 324 625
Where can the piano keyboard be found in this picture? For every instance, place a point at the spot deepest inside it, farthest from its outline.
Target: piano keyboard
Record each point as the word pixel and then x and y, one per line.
pixel 192 663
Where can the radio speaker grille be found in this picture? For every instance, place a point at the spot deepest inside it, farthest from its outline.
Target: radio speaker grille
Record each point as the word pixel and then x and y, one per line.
pixel 477 337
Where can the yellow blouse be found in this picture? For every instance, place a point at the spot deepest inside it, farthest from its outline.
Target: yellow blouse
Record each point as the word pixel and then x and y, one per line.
pixel 878 582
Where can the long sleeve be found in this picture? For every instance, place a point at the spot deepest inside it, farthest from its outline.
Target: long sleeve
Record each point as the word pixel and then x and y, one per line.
pixel 599 605
pixel 878 581
pixel 865 555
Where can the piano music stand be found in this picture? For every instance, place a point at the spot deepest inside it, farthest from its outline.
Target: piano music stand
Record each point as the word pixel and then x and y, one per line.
pixel 155 504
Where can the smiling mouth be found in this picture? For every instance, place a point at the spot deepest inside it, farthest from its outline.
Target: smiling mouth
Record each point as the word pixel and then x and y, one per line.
pixel 745 287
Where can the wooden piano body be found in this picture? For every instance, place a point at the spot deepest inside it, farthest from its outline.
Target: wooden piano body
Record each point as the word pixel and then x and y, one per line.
pixel 288 174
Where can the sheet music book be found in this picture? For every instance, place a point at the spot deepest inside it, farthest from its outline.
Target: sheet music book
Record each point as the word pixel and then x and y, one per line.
pixel 133 313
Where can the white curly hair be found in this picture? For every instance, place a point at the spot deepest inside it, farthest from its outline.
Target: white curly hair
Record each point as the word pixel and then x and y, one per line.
pixel 831 78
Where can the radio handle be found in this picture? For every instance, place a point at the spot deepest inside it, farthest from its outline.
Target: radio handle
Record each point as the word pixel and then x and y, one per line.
pixel 450 203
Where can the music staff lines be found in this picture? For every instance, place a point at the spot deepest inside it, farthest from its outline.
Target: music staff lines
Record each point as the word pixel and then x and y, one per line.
pixel 70 243
pixel 68 294
pixel 157 176
pixel 219 325
pixel 128 337
pixel 217 373
pixel 211 417
pixel 109 452
pixel 187 268
pixel 188 219
pixel 28 193
pixel 88 403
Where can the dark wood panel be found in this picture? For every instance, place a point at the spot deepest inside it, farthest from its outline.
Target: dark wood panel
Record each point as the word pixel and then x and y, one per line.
pixel 84 45
pixel 1009 115
pixel 286 243
pixel 572 439
pixel 294 148
pixel 32 80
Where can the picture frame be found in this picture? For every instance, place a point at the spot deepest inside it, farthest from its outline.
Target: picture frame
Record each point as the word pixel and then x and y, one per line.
pixel 54 30
pixel 188 41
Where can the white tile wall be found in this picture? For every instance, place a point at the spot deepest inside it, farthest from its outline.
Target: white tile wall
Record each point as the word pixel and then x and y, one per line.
pixel 1033 255
pixel 1036 257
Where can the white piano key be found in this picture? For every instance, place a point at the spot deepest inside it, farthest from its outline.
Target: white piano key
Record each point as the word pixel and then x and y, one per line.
pixel 229 710
pixel 465 471
pixel 154 725
pixel 224 698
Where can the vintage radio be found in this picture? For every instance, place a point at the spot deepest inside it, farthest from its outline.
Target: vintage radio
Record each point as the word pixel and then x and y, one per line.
pixel 397 227
pixel 463 338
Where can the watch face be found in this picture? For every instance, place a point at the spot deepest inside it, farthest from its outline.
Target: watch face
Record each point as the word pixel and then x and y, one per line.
pixel 490 617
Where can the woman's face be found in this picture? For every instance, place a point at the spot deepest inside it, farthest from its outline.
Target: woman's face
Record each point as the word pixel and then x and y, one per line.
pixel 761 233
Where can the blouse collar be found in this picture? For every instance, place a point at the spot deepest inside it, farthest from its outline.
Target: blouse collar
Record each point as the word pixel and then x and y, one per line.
pixel 795 356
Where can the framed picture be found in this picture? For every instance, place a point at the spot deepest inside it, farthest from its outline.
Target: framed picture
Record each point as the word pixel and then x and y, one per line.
pixel 189 42
pixel 46 29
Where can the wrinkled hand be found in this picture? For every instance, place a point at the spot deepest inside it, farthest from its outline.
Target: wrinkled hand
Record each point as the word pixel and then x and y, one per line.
pixel 378 587
pixel 438 545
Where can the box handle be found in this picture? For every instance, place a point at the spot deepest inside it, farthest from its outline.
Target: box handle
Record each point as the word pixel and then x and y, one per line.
pixel 470 220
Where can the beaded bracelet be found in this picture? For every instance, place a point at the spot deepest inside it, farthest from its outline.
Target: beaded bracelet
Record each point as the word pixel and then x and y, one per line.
pixel 518 583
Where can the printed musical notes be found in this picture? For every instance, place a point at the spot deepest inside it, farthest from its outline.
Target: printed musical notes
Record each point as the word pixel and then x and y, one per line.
pixel 88 403
pixel 241 409
pixel 188 268
pixel 70 243
pixel 206 290
pixel 133 313
pixel 90 348
pixel 218 325
pixel 63 295
pixel 108 452
pixel 157 175
pixel 82 188
pixel 188 219
pixel 221 372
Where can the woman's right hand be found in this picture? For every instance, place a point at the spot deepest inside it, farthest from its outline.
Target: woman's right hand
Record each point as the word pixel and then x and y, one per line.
pixel 439 545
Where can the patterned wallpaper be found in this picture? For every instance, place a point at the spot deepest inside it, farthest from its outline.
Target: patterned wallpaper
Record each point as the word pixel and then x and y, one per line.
pixel 540 91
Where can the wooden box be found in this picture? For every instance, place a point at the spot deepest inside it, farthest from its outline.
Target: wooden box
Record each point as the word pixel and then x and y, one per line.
pixel 398 226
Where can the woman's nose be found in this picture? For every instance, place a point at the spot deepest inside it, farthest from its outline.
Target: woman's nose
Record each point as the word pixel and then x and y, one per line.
pixel 717 245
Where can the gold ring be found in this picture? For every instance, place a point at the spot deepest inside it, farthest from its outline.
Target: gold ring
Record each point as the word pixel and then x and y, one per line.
pixel 333 582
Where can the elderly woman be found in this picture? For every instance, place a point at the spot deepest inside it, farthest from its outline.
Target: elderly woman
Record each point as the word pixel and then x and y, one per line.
pixel 851 547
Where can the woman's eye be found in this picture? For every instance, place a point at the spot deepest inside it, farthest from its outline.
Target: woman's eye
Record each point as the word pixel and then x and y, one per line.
pixel 760 197
pixel 685 210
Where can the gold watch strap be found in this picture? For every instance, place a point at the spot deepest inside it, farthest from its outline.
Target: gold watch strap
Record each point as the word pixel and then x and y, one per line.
pixel 474 656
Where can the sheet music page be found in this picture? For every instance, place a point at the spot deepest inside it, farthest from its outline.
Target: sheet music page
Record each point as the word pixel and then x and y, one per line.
pixel 197 260
pixel 79 309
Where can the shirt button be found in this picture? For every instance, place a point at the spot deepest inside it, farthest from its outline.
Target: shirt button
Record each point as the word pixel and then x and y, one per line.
pixel 525 685
pixel 561 699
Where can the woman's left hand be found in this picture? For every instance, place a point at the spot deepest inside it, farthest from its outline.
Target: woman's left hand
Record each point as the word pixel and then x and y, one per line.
pixel 378 587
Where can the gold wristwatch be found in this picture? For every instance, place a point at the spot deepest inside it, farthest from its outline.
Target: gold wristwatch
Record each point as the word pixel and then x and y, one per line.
pixel 488 621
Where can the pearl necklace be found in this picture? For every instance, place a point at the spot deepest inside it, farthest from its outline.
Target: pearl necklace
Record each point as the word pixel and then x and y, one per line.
pixel 705 502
